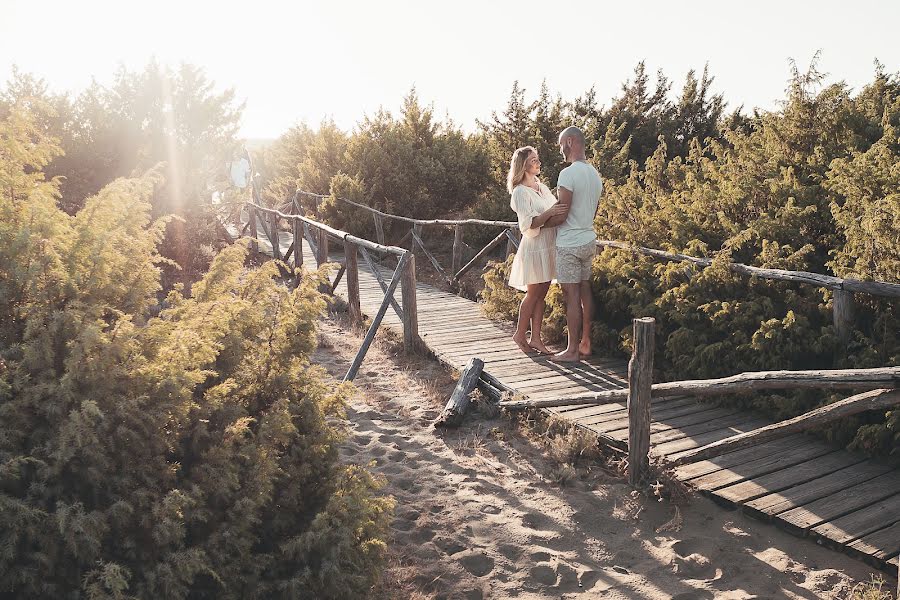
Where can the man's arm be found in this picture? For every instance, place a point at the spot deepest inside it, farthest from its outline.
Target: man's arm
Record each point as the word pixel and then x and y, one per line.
pixel 565 200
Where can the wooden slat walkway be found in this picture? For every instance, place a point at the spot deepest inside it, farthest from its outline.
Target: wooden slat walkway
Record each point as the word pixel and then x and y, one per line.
pixel 837 497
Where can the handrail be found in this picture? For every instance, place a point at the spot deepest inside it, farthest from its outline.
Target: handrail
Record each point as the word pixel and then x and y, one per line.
pixel 338 233
pixel 450 222
pixel 874 288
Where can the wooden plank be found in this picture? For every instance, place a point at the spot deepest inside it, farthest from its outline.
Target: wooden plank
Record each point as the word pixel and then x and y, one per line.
pixel 595 409
pixel 798 495
pixel 861 522
pixel 659 415
pixel 761 468
pixel 881 544
pixel 842 502
pixel 872 400
pixel 678 447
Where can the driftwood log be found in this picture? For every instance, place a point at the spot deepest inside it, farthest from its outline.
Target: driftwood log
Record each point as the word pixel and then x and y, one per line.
pixel 456 407
pixel 839 379
pixel 871 400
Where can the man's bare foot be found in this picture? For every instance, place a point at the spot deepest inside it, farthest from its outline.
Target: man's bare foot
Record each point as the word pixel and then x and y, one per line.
pixel 565 357
pixel 584 349
pixel 522 344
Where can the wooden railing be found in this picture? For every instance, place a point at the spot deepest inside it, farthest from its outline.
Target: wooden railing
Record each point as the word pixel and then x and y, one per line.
pixel 415 237
pixel 318 236
pixel 881 383
pixel 843 289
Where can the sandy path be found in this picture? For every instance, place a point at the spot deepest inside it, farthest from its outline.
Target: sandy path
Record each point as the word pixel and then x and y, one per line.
pixel 478 517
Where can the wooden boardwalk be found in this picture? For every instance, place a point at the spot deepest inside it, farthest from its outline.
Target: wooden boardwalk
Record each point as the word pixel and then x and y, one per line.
pixel 837 497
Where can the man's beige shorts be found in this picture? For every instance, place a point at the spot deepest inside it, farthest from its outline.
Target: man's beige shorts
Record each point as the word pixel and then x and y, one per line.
pixel 573 265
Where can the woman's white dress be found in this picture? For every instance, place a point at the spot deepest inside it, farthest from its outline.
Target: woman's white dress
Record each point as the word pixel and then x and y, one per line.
pixel 535 260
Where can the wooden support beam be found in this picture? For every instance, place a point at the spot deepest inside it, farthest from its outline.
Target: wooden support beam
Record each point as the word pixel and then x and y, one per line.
pixel 309 240
pixel 352 265
pixel 371 264
pixel 411 340
pixel 322 246
pixel 274 237
pixel 842 314
pixel 429 255
pixel 373 328
pixel 415 232
pixel 640 378
pixel 512 241
pixel 337 280
pixel 297 228
pixel 455 410
pixel 457 249
pixel 490 246
pixel 251 220
pixel 871 400
pixel 379 228
pixel 835 379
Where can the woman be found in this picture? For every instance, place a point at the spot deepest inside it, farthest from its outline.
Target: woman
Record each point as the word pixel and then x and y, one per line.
pixel 534 265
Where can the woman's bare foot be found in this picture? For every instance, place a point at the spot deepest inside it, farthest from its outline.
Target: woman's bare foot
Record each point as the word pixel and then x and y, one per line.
pixel 584 349
pixel 540 347
pixel 522 344
pixel 565 357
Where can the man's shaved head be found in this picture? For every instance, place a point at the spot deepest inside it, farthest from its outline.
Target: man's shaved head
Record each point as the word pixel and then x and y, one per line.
pixel 572 132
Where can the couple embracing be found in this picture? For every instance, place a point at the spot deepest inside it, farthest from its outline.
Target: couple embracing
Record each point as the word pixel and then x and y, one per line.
pixel 558 243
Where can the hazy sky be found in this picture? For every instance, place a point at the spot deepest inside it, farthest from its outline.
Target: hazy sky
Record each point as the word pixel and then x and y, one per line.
pixel 303 61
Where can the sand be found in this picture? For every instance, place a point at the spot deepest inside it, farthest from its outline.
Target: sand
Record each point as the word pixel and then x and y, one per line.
pixel 480 512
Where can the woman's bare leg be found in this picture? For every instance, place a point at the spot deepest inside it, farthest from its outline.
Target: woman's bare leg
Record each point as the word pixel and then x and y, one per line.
pixel 537 319
pixel 526 309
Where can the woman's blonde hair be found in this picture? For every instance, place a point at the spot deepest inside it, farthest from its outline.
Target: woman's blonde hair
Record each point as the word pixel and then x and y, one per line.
pixel 517 167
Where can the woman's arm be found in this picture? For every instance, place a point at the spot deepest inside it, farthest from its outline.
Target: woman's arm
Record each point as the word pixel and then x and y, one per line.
pixel 554 211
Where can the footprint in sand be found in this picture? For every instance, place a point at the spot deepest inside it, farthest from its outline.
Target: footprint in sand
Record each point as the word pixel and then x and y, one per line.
pixel 543 574
pixel 477 563
pixel 511 551
pixel 449 546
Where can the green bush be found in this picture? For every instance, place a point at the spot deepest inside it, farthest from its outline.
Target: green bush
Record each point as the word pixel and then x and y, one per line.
pixel 188 454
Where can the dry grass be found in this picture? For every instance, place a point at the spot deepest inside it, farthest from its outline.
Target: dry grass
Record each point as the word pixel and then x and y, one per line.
pixel 874 589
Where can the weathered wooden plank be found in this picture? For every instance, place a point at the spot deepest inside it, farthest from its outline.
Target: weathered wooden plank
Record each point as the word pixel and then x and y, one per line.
pixel 591 410
pixel 861 522
pixel 677 448
pixel 873 400
pixel 760 468
pixel 798 495
pixel 814 468
pixel 843 502
pixel 659 414
pixel 881 544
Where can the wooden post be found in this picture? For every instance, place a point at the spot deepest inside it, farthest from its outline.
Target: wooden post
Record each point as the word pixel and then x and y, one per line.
pixel 640 378
pixel 322 239
pixel 352 266
pixel 274 237
pixel 297 226
pixel 379 228
pixel 416 232
pixel 251 215
pixel 842 313
pixel 457 249
pixel 453 413
pixel 376 321
pixel 411 339
pixel 510 245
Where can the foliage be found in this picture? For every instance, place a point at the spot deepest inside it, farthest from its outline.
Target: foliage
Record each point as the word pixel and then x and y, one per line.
pixel 158 115
pixel 811 186
pixel 188 454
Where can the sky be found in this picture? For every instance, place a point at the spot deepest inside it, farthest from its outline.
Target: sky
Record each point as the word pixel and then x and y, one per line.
pixel 294 62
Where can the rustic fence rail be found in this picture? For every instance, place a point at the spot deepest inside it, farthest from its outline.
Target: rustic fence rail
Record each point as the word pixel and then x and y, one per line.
pixel 317 236
pixel 416 239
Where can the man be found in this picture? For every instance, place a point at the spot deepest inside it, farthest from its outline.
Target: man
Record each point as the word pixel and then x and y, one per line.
pixel 579 191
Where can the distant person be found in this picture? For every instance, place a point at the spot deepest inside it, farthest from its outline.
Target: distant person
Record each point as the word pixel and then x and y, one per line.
pixel 534 265
pixel 240 170
pixel 579 189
